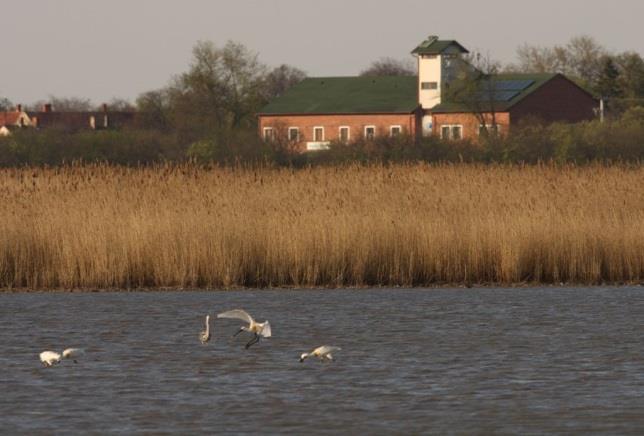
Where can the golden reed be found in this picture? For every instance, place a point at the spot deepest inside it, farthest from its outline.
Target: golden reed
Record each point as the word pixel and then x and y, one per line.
pixel 98 226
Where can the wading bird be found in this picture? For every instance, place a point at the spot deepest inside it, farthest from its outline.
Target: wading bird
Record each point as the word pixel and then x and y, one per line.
pixel 72 353
pixel 204 336
pixel 51 358
pixel 258 329
pixel 323 353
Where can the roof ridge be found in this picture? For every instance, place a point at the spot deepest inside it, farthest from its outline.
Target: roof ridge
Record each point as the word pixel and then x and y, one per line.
pixel 357 77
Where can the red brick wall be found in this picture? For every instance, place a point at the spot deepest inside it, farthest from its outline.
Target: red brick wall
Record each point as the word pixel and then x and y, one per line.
pixel 558 100
pixel 332 123
pixel 470 123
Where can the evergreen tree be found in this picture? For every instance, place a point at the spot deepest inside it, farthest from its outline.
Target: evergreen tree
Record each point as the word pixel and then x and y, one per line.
pixel 608 80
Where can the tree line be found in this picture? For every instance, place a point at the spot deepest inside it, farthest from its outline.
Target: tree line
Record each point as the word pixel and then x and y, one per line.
pixel 617 77
pixel 208 112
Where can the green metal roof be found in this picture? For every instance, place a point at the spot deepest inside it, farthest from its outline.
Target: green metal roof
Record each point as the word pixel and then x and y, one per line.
pixel 369 95
pixel 435 46
pixel 348 95
pixel 499 106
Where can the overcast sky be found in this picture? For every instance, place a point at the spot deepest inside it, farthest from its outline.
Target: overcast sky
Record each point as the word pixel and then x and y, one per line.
pixel 120 48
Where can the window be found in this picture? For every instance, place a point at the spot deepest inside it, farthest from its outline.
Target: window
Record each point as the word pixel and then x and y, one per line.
pixel 370 132
pixel 454 132
pixel 429 85
pixel 395 131
pixel 293 134
pixel 269 134
pixel 318 134
pixel 457 133
pixel 345 134
pixel 489 129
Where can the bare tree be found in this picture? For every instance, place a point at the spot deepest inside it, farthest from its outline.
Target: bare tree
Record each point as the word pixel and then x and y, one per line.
pixel 390 67
pixel 65 104
pixel 5 104
pixel 585 58
pixel 535 59
pixel 119 105
pixel 155 110
pixel 581 59
pixel 475 88
pixel 222 88
pixel 280 79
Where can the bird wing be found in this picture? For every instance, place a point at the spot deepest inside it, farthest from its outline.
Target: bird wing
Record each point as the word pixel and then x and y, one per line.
pixel 237 314
pixel 266 330
pixel 325 349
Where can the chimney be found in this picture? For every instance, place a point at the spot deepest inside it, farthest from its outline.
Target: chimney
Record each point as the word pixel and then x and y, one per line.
pixel 19 108
pixel 104 107
pixel 46 107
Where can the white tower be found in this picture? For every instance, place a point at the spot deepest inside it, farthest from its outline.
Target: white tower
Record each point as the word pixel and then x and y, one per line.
pixel 437 65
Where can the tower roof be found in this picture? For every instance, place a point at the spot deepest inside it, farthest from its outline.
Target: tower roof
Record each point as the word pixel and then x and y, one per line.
pixel 435 46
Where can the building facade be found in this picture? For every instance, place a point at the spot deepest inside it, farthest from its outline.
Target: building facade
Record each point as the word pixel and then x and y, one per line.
pixel 11 120
pixel 47 118
pixel 320 110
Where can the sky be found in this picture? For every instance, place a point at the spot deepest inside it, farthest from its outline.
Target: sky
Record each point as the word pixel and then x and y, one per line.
pixel 121 48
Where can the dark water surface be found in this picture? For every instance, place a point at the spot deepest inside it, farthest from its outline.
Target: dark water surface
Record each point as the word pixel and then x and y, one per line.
pixel 412 361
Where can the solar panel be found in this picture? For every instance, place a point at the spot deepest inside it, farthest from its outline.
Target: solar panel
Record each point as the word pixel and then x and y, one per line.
pixel 496 95
pixel 505 95
pixel 512 85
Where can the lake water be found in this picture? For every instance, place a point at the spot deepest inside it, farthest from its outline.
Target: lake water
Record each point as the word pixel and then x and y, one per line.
pixel 412 361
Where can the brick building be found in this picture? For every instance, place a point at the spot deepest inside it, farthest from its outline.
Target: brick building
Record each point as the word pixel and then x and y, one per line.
pixel 11 120
pixel 320 110
pixel 47 118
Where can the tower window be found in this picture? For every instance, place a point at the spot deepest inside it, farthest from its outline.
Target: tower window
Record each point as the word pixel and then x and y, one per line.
pixel 429 85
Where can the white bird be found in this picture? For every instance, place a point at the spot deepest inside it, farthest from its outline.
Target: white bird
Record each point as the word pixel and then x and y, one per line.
pixel 49 358
pixel 72 353
pixel 322 353
pixel 204 336
pixel 258 329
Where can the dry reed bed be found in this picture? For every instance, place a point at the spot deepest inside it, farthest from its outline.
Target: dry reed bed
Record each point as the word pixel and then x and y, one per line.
pixel 407 225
